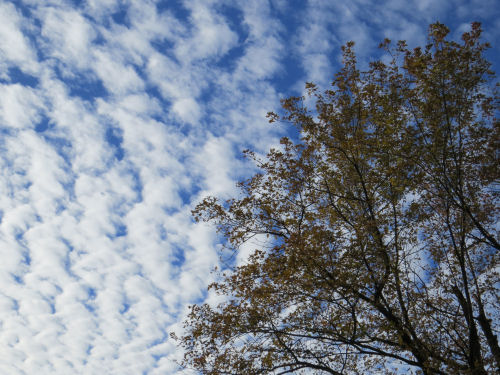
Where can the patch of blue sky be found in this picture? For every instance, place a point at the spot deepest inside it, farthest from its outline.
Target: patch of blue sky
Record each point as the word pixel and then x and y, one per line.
pixel 26 258
pixel 493 56
pixel 176 7
pixel 120 230
pixel 16 75
pixel 86 88
pixel 23 8
pixel 80 84
pixel 114 137
pixel 177 256
pixel 291 70
pixel 61 203
pixel 19 236
pixel 43 124
pixel 162 232
pixel 15 304
pixel 68 244
pixel 189 192
pixel 4 132
pixel 67 263
pixel 125 307
pixel 89 303
pixel 52 305
pixel 165 47
pixel 18 279
pixel 91 293
pixel 120 16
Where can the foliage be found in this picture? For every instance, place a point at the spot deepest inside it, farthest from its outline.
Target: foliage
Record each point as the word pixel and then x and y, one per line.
pixel 383 222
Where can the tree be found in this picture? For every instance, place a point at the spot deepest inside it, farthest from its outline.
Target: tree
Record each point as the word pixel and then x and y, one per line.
pixel 383 249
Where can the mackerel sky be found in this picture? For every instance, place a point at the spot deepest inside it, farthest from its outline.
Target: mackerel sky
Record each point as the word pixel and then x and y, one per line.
pixel 116 117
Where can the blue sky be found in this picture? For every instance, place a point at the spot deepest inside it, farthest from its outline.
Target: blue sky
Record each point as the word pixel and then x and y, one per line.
pixel 116 117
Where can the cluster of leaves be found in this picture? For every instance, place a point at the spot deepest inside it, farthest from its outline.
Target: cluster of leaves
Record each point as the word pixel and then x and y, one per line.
pixel 383 220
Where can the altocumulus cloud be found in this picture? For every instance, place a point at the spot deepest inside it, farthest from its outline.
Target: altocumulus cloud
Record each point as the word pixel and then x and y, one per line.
pixel 116 117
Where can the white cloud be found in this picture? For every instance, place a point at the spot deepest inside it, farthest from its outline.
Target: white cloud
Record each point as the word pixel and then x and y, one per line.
pixel 117 77
pixel 100 9
pixel 261 60
pixel 212 37
pixel 20 106
pixel 15 47
pixel 187 109
pixel 67 36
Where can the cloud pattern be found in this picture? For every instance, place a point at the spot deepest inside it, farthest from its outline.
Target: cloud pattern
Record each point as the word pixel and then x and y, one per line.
pixel 116 117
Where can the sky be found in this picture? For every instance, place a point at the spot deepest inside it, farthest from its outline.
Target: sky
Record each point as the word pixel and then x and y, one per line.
pixel 116 118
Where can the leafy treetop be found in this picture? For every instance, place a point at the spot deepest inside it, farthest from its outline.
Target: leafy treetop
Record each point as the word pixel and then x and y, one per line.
pixel 383 222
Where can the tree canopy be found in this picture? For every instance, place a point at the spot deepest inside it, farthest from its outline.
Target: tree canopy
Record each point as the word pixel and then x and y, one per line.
pixel 382 222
